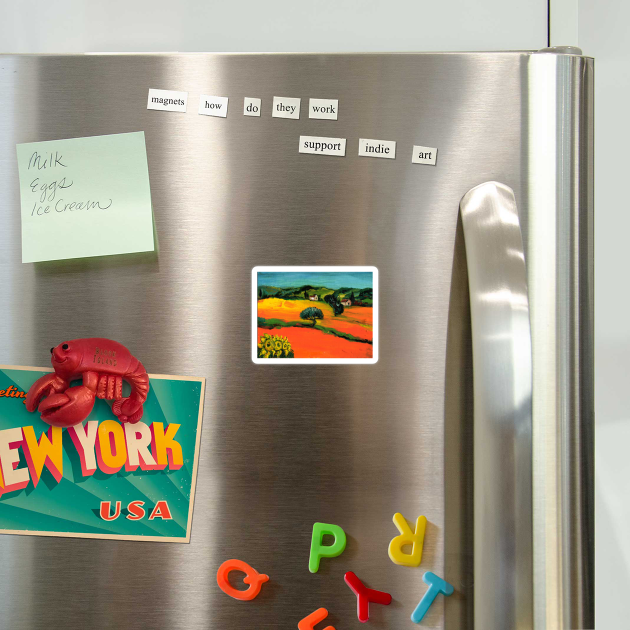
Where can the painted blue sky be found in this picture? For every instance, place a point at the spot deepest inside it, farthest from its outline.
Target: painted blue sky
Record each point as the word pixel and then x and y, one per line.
pixel 329 279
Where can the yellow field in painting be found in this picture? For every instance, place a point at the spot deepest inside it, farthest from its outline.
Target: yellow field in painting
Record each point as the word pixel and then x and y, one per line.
pixel 355 320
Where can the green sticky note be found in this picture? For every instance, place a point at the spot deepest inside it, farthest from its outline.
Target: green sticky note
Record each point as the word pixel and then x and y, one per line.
pixel 85 197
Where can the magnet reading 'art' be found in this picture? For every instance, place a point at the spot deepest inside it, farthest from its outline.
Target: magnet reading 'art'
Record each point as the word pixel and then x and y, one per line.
pixel 102 364
pixel 407 537
pixel 252 577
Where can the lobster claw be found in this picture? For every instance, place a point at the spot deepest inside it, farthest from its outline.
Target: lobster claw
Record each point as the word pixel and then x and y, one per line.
pixel 68 408
pixel 128 410
pixel 43 386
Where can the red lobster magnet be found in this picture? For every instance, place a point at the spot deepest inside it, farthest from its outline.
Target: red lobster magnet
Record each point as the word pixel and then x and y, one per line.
pixel 103 364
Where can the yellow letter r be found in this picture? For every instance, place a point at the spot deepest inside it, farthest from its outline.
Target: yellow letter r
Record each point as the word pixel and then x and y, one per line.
pixel 407 537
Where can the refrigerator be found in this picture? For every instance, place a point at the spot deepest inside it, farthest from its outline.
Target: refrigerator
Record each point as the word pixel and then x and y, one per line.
pixel 477 411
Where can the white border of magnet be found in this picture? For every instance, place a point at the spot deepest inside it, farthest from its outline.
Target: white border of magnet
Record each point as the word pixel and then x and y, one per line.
pixel 321 269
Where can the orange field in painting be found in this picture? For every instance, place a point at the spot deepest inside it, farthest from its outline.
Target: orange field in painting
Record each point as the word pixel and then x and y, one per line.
pixel 355 320
pixel 315 344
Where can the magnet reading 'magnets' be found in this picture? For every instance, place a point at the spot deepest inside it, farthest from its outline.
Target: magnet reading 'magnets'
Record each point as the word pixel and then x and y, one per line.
pixel 103 364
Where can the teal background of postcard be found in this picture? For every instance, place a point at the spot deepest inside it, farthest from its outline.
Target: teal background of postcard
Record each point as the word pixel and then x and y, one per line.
pixel 72 505
pixel 101 168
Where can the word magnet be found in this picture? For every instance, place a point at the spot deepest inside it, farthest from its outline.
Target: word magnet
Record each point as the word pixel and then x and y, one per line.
pixel 167 100
pixel 285 107
pixel 322 146
pixel 323 108
pixel 377 148
pixel 251 106
pixel 424 155
pixel 252 577
pixel 365 595
pixel 407 537
pixel 319 551
pixel 213 105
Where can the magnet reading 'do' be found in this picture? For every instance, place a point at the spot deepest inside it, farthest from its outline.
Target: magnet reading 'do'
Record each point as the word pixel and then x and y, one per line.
pixel 314 315
pixel 102 364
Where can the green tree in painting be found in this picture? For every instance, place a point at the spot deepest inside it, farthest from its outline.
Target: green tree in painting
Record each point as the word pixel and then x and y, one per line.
pixel 312 313
pixel 335 304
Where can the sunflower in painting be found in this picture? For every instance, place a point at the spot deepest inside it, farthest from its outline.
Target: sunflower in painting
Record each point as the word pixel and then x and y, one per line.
pixel 274 347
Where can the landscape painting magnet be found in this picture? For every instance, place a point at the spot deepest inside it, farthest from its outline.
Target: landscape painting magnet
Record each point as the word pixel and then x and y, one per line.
pixel 314 315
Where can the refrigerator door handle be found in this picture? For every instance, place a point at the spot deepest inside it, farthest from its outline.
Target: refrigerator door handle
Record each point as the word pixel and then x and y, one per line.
pixel 502 374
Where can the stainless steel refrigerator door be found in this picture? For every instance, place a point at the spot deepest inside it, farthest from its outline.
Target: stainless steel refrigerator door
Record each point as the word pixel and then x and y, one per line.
pixel 282 447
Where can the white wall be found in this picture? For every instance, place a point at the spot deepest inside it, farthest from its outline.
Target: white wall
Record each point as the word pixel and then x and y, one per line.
pixel 604 29
pixel 270 25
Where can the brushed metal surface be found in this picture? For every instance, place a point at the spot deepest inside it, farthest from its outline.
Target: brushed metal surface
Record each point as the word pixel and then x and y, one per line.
pixel 502 368
pixel 280 449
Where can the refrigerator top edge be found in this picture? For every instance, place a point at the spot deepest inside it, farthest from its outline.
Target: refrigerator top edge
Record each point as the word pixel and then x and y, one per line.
pixel 467 53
